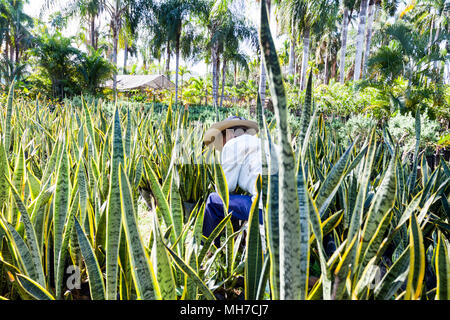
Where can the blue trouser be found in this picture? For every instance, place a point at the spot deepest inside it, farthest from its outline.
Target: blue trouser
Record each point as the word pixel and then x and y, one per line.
pixel 239 206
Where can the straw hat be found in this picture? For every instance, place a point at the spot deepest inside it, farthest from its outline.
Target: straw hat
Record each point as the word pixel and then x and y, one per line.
pixel 214 133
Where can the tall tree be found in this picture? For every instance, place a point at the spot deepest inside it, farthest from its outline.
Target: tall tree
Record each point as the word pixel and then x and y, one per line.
pixel 262 73
pixel 15 34
pixel 176 17
pixel 223 24
pixel 347 10
pixel 87 10
pixel 305 15
pixel 360 38
pixel 116 11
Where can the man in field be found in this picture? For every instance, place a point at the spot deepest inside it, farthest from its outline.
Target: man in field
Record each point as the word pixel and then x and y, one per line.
pixel 241 163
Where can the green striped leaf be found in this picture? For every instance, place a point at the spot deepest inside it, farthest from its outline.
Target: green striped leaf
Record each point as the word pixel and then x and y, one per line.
pixel 31 237
pixel 18 178
pixel 164 273
pixel 442 266
pixel 394 278
pixel 304 211
pixel 357 215
pixel 416 261
pixel 9 110
pixel 96 284
pixel 221 184
pixel 288 200
pixel 160 198
pixel 114 212
pixel 60 206
pixel 23 253
pixel 254 254
pixel 332 181
pixel 306 111
pixel 4 175
pixel 382 203
pixel 33 288
pixel 192 275
pixel 141 270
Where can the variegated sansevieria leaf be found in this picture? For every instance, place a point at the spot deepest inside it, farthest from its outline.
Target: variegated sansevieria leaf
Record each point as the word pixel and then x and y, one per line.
pixel 192 275
pixel 442 266
pixel 357 215
pixel 394 278
pixel 64 245
pixel 306 112
pixel 23 255
pixel 412 177
pixel 164 272
pixel 96 284
pixel 90 127
pixel 114 214
pixel 263 140
pixel 31 237
pixel 160 197
pixel 141 270
pixel 9 111
pixel 343 271
pixel 33 288
pixel 271 221
pixel 61 206
pixel 4 175
pixel 303 203
pixel 18 179
pixel 254 253
pixel 214 234
pixel 288 201
pixel 221 184
pixel 382 203
pixel 176 206
pixel 316 225
pixel 332 181
pixel 416 261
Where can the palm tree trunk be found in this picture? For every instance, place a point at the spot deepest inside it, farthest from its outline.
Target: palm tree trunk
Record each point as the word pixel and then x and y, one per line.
pixel 344 46
pixel 177 65
pixel 372 10
pixel 168 60
pixel 215 78
pixel 92 32
pixel 262 70
pixel 224 65
pixel 125 57
pixel 325 75
pixel 306 41
pixel 291 68
pixel 115 43
pixel 360 39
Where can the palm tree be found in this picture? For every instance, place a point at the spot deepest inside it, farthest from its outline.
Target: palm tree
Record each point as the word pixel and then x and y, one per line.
pixel 87 10
pixel 325 32
pixel 56 58
pixel 93 69
pixel 287 26
pixel 304 14
pixel 173 21
pixel 371 15
pixel 183 71
pixel 224 26
pixel 15 26
pixel 232 54
pixel 348 6
pixel 360 38
pixel 262 73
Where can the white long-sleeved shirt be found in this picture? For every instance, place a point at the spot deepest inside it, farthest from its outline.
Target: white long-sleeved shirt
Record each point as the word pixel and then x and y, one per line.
pixel 241 163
